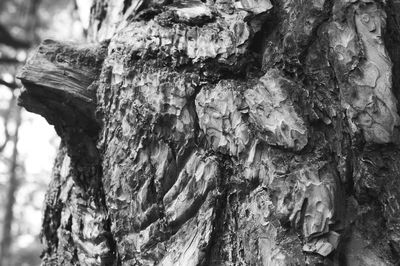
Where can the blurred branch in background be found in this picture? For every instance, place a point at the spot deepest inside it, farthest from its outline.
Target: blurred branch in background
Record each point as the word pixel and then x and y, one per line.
pixel 7 39
pixel 10 85
pixel 6 118
pixel 9 60
pixel 5 255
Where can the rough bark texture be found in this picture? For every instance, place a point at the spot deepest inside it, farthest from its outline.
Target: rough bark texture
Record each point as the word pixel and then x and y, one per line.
pixel 248 132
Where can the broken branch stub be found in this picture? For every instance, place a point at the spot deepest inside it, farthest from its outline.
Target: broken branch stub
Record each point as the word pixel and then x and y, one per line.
pixel 58 81
pixel 59 85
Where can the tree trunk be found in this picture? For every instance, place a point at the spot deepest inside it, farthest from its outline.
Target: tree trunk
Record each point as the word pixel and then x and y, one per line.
pixel 249 132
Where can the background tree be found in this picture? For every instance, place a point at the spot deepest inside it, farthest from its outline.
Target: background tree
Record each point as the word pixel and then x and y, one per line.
pixel 12 116
pixel 223 133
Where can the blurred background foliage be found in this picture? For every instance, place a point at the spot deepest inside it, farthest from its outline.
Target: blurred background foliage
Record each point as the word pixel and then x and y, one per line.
pixel 27 143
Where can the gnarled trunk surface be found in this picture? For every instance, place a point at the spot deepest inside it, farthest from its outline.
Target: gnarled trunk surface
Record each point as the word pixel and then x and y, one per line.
pixel 249 132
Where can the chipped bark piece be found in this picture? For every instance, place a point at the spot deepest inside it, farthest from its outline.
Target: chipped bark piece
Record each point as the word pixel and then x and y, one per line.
pixel 220 111
pixel 324 245
pixel 272 116
pixel 343 40
pixel 254 6
pixel 192 12
pixel 367 90
pixel 313 189
pixel 272 112
pixel 369 24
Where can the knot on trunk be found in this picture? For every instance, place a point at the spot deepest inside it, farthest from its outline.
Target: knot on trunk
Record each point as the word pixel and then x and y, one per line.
pixel 59 84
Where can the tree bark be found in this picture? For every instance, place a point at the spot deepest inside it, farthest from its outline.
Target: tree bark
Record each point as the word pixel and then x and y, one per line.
pixel 224 133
